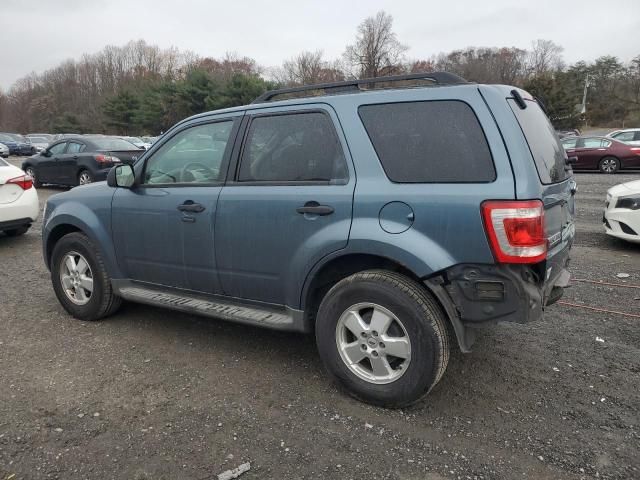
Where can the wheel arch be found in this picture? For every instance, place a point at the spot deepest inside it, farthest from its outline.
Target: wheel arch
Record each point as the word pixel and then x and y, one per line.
pixel 332 270
pixel 85 221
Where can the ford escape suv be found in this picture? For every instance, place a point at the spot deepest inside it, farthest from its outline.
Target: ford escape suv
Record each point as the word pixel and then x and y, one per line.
pixel 386 220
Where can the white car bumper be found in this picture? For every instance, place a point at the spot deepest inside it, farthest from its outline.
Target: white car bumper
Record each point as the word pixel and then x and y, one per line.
pixel 622 223
pixel 24 210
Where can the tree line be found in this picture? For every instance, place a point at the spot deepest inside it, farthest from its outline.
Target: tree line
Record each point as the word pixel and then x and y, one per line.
pixel 139 88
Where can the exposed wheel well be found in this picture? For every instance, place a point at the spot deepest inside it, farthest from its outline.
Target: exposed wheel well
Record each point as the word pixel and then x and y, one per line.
pixel 56 234
pixel 342 267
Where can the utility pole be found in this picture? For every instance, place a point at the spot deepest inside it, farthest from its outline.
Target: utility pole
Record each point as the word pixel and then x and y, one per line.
pixel 583 110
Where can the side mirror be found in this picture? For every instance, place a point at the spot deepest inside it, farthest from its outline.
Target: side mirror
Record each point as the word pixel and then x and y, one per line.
pixel 121 176
pixel 572 160
pixel 45 153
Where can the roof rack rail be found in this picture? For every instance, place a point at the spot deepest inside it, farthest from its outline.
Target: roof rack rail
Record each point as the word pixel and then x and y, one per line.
pixel 439 78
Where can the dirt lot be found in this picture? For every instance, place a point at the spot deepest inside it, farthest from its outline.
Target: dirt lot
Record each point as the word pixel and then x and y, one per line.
pixel 152 394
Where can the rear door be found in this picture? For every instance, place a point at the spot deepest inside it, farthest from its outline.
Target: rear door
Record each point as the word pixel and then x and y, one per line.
pixel 287 204
pixel 590 151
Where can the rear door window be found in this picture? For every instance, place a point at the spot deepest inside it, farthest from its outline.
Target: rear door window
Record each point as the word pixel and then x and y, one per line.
pixel 293 147
pixel 438 141
pixel 545 147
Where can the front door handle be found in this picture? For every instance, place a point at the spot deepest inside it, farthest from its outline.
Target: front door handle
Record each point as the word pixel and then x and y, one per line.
pixel 314 208
pixel 191 206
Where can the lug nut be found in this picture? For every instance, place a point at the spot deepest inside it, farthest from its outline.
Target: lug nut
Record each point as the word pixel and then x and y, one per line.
pixel 375 334
pixel 364 334
pixel 374 353
pixel 381 345
pixel 364 347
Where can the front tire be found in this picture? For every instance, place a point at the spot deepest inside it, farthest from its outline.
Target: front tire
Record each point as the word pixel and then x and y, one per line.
pixel 609 165
pixel 383 338
pixel 80 279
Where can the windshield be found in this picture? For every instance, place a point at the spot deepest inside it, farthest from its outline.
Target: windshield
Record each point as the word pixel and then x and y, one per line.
pixel 38 140
pixel 17 137
pixel 134 139
pixel 6 138
pixel 108 143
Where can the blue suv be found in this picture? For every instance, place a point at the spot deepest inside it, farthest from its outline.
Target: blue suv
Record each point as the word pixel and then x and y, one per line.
pixel 386 220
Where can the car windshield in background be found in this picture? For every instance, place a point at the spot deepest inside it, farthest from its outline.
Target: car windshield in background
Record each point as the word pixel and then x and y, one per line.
pixel 38 140
pixel 17 137
pixel 545 147
pixel 6 138
pixel 107 143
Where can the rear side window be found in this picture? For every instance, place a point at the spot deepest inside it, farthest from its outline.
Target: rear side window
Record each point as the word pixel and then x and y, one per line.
pixel 545 147
pixel 429 142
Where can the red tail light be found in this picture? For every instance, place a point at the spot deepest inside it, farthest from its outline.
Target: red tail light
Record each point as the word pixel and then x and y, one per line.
pixel 516 230
pixel 25 182
pixel 104 159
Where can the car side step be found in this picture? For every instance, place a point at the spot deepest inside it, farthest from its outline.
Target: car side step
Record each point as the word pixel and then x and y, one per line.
pixel 225 308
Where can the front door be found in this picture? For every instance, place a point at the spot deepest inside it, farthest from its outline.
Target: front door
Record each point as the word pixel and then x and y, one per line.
pixel 47 169
pixel 288 204
pixel 163 227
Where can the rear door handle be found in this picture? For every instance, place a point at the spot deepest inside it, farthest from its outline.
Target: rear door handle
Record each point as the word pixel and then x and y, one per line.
pixel 191 206
pixel 314 208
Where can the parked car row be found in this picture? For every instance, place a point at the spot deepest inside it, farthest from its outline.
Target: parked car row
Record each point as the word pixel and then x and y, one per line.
pixel 32 143
pixel 79 160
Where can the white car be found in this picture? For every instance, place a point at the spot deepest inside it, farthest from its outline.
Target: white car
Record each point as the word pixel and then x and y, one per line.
pixel 39 143
pixel 622 212
pixel 4 150
pixel 19 206
pixel 629 135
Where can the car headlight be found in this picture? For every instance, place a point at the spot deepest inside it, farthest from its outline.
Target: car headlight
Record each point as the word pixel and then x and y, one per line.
pixel 632 203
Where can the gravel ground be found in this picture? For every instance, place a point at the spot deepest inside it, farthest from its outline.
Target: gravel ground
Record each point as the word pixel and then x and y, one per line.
pixel 153 394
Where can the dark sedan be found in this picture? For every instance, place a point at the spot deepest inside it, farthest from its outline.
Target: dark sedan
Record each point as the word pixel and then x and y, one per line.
pixel 600 153
pixel 79 160
pixel 17 144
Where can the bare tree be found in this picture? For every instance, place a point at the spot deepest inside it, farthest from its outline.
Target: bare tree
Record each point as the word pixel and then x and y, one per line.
pixel 377 50
pixel 307 68
pixel 545 56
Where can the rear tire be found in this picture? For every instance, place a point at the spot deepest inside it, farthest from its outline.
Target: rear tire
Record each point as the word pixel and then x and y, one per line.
pixel 609 165
pixel 32 173
pixel 86 294
pixel 15 232
pixel 415 331
pixel 85 177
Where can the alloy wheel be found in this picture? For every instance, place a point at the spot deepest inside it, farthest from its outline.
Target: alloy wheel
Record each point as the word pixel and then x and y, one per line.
pixel 373 343
pixel 84 178
pixel 76 278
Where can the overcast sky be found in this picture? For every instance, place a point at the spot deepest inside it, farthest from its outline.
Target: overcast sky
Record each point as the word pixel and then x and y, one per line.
pixel 38 34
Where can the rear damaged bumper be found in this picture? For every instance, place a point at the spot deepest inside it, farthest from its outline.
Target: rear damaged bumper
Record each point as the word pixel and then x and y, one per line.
pixel 477 295
pixel 502 293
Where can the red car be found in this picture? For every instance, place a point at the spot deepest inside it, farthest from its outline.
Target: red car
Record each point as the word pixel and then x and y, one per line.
pixel 600 153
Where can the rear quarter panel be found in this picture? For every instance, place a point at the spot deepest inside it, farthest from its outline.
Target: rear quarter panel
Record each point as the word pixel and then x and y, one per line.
pixel 448 227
